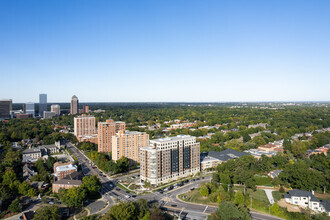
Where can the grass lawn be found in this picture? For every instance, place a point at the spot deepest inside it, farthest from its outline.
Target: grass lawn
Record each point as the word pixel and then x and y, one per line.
pixel 195 197
pixel 263 180
pixel 259 194
pixel 277 195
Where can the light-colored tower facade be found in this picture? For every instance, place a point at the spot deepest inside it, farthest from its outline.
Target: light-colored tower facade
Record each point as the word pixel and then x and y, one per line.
pixel 56 109
pixel 128 144
pixel 169 159
pixel 29 108
pixel 105 132
pixel 42 104
pixel 84 125
pixel 74 107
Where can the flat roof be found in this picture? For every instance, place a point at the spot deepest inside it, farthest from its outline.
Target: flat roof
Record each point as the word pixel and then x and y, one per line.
pixel 175 138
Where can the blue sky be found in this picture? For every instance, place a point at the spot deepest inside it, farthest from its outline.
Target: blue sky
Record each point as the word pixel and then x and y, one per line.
pixel 180 50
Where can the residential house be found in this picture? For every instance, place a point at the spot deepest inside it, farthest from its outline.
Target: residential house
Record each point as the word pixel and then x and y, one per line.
pixel 306 199
pixel 63 169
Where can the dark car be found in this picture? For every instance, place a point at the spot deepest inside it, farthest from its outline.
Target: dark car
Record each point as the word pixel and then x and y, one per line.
pixel 170 187
pixel 197 179
pixel 186 181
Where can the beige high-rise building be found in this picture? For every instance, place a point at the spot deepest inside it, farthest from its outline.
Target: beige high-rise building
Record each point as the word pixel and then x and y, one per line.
pixel 56 109
pixel 128 144
pixel 169 159
pixel 105 132
pixel 74 107
pixel 84 125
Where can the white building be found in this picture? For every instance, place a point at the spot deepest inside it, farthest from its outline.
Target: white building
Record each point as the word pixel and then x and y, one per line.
pixel 56 109
pixel 169 159
pixel 306 199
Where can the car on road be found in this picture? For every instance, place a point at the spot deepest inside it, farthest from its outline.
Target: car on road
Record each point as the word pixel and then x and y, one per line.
pixel 192 188
pixel 127 196
pixel 118 189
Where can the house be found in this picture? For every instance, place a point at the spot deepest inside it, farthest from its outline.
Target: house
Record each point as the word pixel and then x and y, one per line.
pixel 28 171
pixel 213 158
pixel 39 185
pixel 274 173
pixel 306 199
pixel 263 125
pixel 321 150
pixel 65 184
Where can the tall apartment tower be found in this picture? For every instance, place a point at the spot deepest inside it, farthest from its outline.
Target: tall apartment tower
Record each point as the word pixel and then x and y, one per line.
pixel 169 159
pixel 5 108
pixel 42 104
pixel 105 132
pixel 74 107
pixel 56 109
pixel 29 108
pixel 128 144
pixel 84 125
pixel 86 109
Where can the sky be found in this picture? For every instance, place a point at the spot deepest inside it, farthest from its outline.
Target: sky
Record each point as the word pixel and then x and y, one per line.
pixel 165 50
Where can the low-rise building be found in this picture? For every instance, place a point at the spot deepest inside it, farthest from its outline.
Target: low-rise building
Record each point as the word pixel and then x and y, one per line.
pixel 32 154
pixel 49 115
pixel 263 125
pixel 63 169
pixel 28 172
pixel 258 153
pixel 306 199
pixel 65 184
pixel 213 158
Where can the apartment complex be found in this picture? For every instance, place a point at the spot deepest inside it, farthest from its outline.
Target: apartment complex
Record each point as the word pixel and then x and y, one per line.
pixel 169 159
pixel 65 184
pixel 128 144
pixel 5 108
pixel 56 109
pixel 74 105
pixel 84 125
pixel 105 132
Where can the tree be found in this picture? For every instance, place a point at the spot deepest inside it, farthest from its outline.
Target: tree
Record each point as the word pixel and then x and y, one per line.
pixel 47 213
pixel 92 184
pixel 73 197
pixel 142 208
pixel 122 164
pixel 15 206
pixel 259 141
pixel 239 198
pixel 215 178
pixel 23 188
pixel 8 178
pixel 204 190
pixel 121 211
pixel 228 211
pixel 32 192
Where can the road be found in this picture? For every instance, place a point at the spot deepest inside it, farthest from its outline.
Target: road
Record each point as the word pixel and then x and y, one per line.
pixel 168 201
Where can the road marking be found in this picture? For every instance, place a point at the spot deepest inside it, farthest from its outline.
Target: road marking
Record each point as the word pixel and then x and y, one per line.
pixel 205 209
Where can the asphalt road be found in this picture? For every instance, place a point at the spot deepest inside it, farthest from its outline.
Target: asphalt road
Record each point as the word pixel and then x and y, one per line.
pixel 167 201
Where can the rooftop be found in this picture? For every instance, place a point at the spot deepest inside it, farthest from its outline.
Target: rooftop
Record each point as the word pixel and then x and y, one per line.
pixel 69 182
pixel 66 167
pixel 176 138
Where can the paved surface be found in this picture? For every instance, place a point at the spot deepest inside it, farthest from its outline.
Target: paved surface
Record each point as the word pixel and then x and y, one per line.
pixel 96 206
pixel 270 195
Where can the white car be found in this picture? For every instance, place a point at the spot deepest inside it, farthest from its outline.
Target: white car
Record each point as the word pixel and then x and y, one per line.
pixel 128 196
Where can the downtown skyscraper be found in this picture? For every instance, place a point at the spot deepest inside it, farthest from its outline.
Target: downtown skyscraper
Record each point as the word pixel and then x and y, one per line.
pixel 74 107
pixel 42 104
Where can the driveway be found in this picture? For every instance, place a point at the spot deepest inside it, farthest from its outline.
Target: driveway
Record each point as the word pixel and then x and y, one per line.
pixel 270 195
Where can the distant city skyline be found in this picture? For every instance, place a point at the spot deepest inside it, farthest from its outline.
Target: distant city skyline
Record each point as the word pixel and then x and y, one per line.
pixel 165 51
